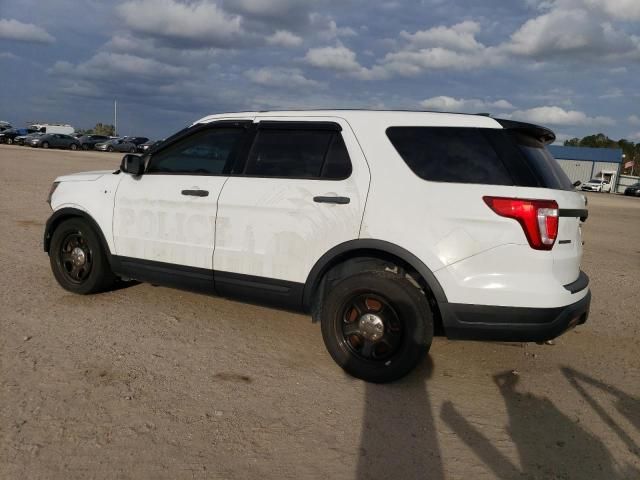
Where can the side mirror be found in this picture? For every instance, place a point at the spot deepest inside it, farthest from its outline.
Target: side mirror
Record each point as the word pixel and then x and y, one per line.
pixel 132 164
pixel 577 183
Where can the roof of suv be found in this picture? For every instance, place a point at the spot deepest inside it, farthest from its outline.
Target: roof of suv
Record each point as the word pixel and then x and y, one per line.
pixel 399 117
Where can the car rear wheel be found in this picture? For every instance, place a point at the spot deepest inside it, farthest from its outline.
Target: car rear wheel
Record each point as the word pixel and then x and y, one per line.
pixel 9 141
pixel 110 149
pixel 45 144
pixel 85 146
pixel 132 150
pixel 77 259
pixel 377 325
pixel 73 146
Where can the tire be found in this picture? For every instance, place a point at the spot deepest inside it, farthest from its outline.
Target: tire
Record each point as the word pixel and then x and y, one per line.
pixel 352 312
pixel 110 149
pixel 9 141
pixel 45 145
pixel 85 146
pixel 94 273
pixel 132 150
pixel 73 146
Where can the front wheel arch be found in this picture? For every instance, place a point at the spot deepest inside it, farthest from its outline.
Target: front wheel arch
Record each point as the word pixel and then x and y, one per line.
pixel 64 214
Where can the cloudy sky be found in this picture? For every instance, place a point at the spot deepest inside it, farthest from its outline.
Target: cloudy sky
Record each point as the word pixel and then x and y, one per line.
pixel 573 65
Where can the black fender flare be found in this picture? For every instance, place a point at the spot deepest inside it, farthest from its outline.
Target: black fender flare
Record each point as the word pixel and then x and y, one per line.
pixel 364 247
pixel 69 212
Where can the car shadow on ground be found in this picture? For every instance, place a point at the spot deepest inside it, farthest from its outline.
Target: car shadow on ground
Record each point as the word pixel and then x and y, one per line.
pixel 399 438
pixel 549 444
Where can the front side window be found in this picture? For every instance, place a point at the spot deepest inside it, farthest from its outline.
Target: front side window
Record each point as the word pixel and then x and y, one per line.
pixel 304 153
pixel 205 152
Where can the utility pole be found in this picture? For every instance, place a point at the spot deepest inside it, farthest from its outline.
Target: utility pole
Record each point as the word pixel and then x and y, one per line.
pixel 115 118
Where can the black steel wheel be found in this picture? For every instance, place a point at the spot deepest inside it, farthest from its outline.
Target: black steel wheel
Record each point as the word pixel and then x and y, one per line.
pixel 377 325
pixel 77 258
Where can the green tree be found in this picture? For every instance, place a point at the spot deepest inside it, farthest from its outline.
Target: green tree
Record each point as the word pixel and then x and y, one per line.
pixel 104 129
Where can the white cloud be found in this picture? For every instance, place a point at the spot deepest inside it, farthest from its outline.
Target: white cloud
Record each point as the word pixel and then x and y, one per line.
pixel 634 119
pixel 328 29
pixel 555 115
pixel 338 58
pixel 571 33
pixel 122 66
pixel 450 104
pixel 459 37
pixel 619 9
pixel 200 24
pixel 8 56
pixel 284 38
pixel 281 77
pixel 11 29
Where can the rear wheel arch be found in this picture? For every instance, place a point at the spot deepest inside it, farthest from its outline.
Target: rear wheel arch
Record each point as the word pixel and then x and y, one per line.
pixel 369 254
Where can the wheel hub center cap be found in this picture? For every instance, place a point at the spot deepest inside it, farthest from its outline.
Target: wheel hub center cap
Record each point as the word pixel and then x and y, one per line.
pixel 78 256
pixel 371 326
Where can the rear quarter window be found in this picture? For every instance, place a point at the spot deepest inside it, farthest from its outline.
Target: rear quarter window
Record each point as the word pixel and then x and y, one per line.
pixel 450 154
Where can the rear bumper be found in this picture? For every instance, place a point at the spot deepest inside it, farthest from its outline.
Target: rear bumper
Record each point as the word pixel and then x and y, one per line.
pixel 512 324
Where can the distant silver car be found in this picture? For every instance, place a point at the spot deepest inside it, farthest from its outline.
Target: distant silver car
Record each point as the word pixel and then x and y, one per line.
pixel 125 144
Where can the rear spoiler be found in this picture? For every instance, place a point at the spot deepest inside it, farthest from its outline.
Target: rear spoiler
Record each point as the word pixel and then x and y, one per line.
pixel 542 134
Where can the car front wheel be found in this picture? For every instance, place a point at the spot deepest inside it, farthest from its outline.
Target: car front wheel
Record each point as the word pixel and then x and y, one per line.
pixel 377 325
pixel 45 144
pixel 77 259
pixel 73 146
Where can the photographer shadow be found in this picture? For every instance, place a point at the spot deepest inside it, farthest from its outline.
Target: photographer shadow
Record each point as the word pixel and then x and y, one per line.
pixel 399 438
pixel 549 444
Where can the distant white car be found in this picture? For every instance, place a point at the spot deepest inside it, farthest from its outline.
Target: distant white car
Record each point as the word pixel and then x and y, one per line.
pixel 596 185
pixel 383 226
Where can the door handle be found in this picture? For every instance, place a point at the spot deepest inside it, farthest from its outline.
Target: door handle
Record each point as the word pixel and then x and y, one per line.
pixel 338 200
pixel 196 193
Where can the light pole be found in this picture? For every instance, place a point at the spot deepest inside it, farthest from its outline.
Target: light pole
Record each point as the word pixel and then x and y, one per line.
pixel 115 118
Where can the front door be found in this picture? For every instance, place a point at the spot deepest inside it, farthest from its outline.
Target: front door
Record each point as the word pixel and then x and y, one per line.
pixel 165 218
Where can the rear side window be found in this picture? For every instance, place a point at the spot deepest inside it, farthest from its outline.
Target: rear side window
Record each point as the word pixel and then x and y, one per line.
pixel 205 152
pixel 546 168
pixel 305 153
pixel 444 154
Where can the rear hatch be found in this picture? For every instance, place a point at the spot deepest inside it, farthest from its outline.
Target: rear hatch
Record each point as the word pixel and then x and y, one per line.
pixel 540 176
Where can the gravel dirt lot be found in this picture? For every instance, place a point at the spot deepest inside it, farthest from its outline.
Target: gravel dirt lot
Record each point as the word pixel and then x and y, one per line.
pixel 148 382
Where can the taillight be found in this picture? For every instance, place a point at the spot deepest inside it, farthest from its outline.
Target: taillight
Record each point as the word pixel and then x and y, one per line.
pixel 538 218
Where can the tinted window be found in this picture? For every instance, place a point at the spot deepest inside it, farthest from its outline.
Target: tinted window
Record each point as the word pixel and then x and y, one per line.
pixel 338 164
pixel 204 152
pixel 298 154
pixel 545 167
pixel 444 154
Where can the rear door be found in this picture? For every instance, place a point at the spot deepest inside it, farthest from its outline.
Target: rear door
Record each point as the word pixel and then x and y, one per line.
pixel 300 192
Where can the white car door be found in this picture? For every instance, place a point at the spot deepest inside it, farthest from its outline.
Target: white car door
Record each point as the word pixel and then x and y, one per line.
pixel 165 218
pixel 301 191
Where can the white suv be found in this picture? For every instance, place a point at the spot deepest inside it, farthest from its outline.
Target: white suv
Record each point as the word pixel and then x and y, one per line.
pixel 385 226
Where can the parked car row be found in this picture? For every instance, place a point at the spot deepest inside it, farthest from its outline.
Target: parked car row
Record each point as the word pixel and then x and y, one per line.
pixel 104 143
